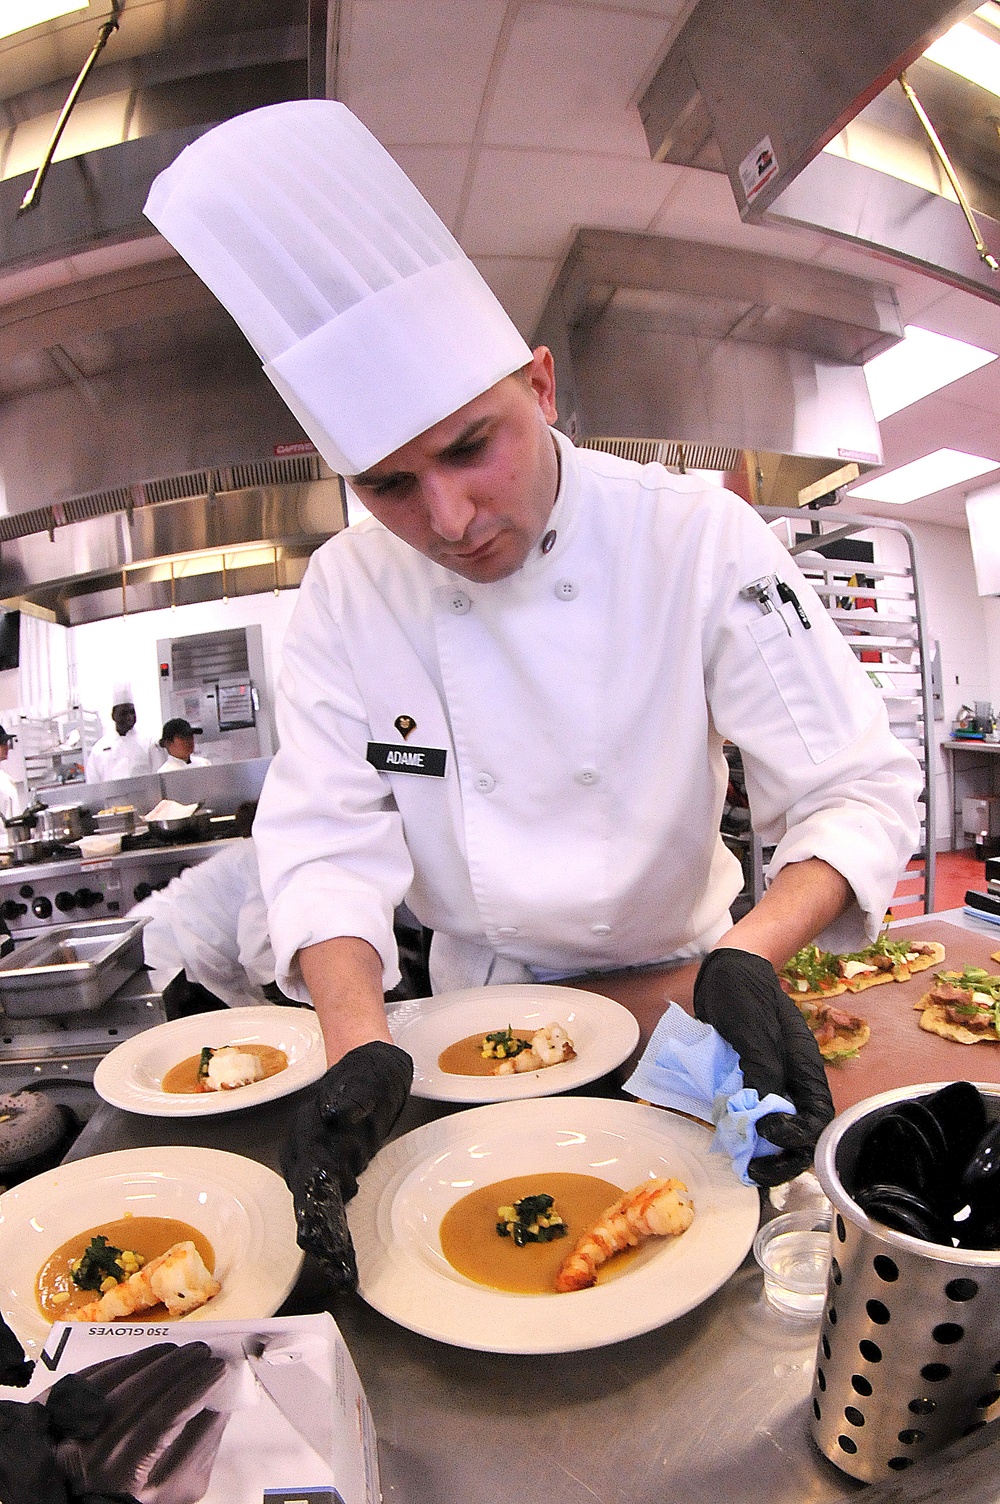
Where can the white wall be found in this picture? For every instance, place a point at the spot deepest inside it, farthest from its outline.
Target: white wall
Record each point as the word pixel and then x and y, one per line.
pixel 103 652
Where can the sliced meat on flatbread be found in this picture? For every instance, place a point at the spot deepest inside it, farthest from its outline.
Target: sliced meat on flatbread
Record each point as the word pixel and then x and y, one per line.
pixel 925 954
pixel 889 960
pixel 839 1035
pixel 962 1006
pixel 812 974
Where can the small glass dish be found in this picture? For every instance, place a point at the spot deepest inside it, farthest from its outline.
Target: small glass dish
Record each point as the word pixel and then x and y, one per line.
pixel 793 1251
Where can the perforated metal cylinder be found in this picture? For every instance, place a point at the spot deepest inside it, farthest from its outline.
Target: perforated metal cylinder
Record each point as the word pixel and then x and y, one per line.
pixel 909 1348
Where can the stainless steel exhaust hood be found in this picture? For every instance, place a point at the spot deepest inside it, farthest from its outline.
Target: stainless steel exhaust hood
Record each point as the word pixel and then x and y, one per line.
pixel 799 106
pixel 723 353
pixel 204 535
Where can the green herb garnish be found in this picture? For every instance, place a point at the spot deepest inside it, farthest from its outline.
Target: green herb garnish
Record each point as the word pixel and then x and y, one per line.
pixel 531 1220
pixel 503 1044
pixel 206 1056
pixel 100 1259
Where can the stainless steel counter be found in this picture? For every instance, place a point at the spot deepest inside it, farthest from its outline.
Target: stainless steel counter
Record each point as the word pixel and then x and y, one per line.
pixel 711 1407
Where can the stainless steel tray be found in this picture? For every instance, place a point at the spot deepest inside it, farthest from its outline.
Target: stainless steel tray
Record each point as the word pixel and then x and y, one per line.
pixel 72 969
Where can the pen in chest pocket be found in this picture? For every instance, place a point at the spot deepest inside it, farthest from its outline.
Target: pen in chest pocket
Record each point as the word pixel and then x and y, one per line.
pixel 761 592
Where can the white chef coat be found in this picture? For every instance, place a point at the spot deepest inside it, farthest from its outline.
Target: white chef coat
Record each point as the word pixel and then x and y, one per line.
pixel 115 756
pixel 175 764
pixel 582 704
pixel 10 796
pixel 211 924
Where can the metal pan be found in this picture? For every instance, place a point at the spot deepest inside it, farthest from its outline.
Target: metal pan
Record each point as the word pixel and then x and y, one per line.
pixel 71 969
pixel 196 826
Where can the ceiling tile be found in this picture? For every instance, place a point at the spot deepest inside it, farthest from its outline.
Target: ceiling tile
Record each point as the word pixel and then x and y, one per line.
pixel 522 284
pixel 526 203
pixel 439 172
pixel 567 79
pixel 414 71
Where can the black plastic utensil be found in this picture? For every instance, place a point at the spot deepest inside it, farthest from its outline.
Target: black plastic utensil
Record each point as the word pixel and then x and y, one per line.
pixel 904 1212
pixel 985 1162
pixel 961 1112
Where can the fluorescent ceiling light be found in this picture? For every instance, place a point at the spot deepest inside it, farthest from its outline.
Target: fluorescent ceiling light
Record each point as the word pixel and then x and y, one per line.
pixel 935 472
pixel 921 363
pixel 965 51
pixel 20 15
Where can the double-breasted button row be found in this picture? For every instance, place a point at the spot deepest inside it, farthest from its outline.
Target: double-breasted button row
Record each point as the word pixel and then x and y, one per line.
pixel 485 783
pixel 460 602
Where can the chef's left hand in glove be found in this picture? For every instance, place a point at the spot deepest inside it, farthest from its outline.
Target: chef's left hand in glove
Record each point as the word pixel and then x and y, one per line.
pixel 109 1434
pixel 346 1119
pixel 738 993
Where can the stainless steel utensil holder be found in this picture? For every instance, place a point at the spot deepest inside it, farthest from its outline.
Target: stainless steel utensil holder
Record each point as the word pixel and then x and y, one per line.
pixel 909 1349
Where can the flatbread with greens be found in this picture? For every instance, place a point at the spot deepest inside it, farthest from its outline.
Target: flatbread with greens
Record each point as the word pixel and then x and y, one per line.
pixel 963 1006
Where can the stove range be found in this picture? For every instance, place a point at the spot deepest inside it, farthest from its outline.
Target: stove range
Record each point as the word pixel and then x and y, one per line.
pixel 42 894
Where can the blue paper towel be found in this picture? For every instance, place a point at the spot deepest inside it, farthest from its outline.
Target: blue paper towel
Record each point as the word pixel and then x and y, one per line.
pixel 688 1065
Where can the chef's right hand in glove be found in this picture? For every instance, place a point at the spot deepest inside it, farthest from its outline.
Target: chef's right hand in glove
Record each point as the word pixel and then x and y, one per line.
pixel 740 996
pixel 346 1119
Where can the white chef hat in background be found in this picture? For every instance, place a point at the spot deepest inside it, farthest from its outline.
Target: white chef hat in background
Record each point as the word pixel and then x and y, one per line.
pixel 370 319
pixel 121 693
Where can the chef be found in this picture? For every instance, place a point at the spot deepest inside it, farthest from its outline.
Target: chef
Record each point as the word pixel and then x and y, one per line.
pixel 10 795
pixel 505 695
pixel 205 939
pixel 177 742
pixel 121 753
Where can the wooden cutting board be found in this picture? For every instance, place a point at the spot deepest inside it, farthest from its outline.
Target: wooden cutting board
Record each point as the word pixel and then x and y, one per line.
pixel 899 1052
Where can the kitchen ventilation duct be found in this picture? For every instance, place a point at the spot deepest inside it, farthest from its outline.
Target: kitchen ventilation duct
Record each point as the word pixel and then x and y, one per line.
pixel 719 360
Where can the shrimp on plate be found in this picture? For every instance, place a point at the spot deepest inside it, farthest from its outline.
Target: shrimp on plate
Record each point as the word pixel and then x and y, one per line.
pixel 655 1209
pixel 177 1279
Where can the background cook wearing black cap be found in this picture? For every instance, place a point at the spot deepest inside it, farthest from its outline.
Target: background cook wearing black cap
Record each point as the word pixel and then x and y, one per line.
pixel 504 698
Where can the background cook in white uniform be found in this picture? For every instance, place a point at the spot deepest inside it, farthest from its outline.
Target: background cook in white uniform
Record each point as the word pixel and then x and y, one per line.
pixel 122 753
pixel 583 703
pixel 211 923
pixel 11 803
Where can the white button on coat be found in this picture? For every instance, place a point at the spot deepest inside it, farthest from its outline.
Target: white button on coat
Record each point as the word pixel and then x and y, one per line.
pixel 587 776
pixel 459 604
pixel 485 783
pixel 566 590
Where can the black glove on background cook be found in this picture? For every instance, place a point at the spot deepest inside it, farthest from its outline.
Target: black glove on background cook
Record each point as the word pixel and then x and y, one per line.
pixel 740 996
pixel 346 1119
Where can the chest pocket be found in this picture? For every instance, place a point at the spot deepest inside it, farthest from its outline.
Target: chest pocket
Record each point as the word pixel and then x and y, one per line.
pixel 829 703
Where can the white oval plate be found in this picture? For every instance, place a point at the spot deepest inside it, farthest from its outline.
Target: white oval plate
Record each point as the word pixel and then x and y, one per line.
pixel 130 1076
pixel 413 1181
pixel 603 1034
pixel 244 1209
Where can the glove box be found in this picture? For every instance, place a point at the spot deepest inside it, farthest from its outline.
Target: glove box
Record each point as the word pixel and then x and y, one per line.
pixel 72 969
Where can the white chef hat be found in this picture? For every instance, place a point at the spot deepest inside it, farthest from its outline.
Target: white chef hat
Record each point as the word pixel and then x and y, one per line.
pixel 370 319
pixel 121 693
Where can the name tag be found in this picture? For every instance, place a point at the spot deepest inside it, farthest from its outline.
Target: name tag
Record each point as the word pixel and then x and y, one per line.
pixel 428 761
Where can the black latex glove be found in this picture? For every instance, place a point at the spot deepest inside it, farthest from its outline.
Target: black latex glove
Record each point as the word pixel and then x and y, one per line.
pixel 345 1120
pixel 28 1471
pixel 740 996
pixel 154 1441
pixel 14 1370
